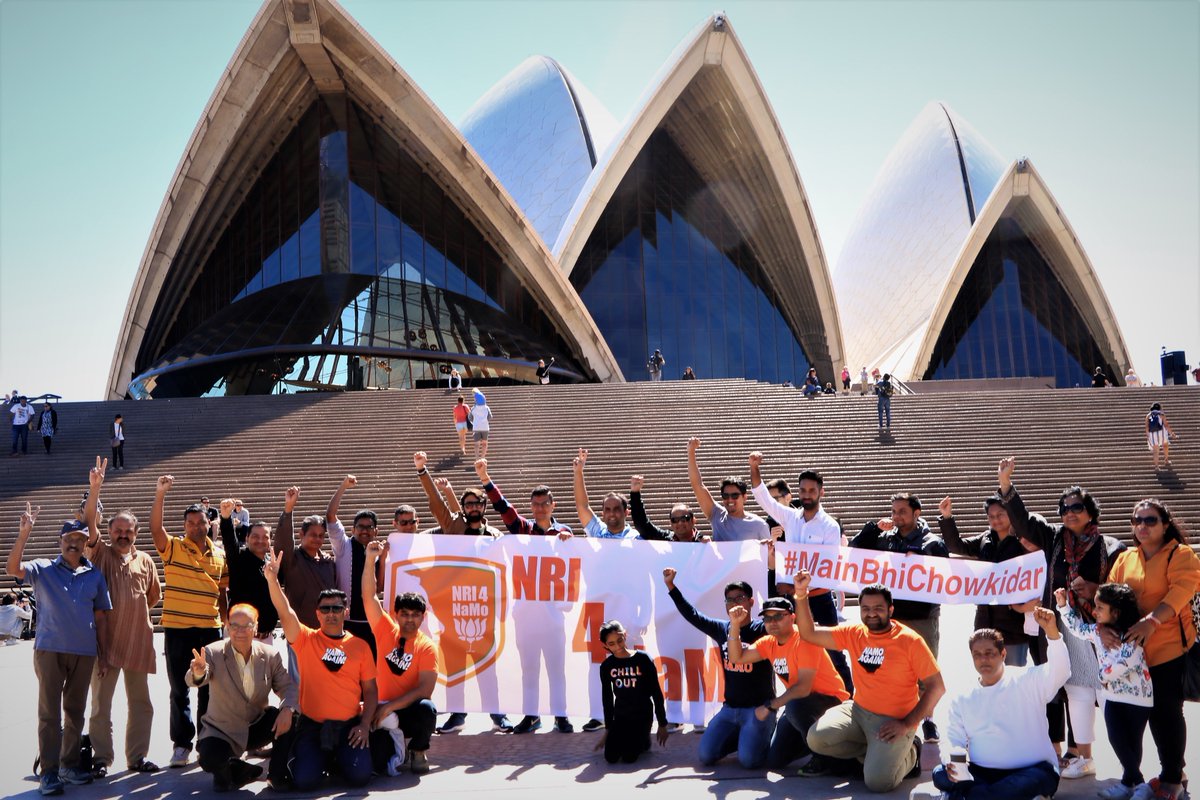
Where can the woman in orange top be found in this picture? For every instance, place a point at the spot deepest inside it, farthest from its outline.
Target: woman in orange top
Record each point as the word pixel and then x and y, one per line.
pixel 1164 573
pixel 460 422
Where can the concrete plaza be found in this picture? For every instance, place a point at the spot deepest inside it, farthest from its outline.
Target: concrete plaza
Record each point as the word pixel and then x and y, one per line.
pixel 477 763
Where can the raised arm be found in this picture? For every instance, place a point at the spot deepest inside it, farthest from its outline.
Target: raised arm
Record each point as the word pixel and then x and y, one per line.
pixel 948 528
pixel 436 506
pixel 446 490
pixel 762 495
pixel 371 602
pixel 28 520
pixel 287 617
pixel 703 497
pixel 582 507
pixel 809 630
pixel 739 654
pixel 228 534
pixel 710 626
pixel 284 537
pixel 157 530
pixel 95 481
pixel 335 502
pixel 637 510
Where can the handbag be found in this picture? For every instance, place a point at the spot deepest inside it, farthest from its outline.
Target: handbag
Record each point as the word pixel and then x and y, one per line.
pixel 1191 656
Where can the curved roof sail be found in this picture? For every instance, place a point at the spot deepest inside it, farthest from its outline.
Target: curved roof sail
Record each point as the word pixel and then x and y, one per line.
pixel 708 98
pixel 293 52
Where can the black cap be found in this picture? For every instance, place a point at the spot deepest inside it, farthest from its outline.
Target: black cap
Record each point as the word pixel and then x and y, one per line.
pixel 778 604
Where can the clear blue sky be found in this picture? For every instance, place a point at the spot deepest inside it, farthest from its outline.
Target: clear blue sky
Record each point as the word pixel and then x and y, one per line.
pixel 98 99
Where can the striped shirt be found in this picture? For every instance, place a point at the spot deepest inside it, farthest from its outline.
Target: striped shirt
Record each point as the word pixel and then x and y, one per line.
pixel 194 582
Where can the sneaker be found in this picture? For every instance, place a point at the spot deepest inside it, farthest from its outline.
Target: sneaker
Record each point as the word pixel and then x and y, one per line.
pixel 49 784
pixel 927 791
pixel 1117 791
pixel 699 728
pixel 452 725
pixel 75 776
pixel 1078 768
pixel 592 725
pixel 1143 791
pixel 501 724
pixel 915 772
pixel 675 727
pixel 180 757
pixel 929 732
pixel 418 762
pixel 528 725
pixel 815 768
pixel 563 725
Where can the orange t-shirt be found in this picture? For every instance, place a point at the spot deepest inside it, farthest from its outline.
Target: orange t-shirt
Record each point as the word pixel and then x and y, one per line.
pixel 788 659
pixel 886 666
pixel 332 673
pixel 398 672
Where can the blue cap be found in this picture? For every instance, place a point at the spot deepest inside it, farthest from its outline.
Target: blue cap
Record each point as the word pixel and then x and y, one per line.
pixel 73 526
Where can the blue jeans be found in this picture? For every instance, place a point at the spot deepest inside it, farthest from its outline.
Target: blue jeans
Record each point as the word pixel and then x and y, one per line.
pixel 1025 783
pixel 884 407
pixel 310 761
pixel 20 432
pixel 737 730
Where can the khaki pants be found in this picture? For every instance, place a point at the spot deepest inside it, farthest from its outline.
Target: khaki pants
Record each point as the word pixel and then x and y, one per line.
pixel 138 724
pixel 62 699
pixel 850 731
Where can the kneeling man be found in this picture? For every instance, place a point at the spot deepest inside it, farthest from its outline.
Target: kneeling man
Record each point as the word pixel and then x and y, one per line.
pixel 811 684
pixel 241 673
pixel 1001 721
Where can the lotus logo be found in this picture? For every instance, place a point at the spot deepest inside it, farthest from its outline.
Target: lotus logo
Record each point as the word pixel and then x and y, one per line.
pixel 468 603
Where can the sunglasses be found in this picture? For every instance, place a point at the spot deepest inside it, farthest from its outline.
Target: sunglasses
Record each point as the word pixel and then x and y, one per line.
pixel 1073 508
pixel 331 609
pixel 774 617
pixel 406 522
pixel 1149 521
pixel 730 495
pixel 682 518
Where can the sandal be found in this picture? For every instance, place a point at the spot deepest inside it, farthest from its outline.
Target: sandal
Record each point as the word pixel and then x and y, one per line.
pixel 143 765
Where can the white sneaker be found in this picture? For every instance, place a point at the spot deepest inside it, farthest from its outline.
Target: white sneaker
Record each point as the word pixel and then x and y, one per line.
pixel 927 791
pixel 1078 768
pixel 180 757
pixel 1117 791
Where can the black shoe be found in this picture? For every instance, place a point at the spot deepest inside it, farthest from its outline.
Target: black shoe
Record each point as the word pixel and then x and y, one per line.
pixel 563 725
pixel 929 732
pixel 915 772
pixel 223 777
pixel 500 724
pixel 592 725
pixel 454 724
pixel 242 772
pixel 528 725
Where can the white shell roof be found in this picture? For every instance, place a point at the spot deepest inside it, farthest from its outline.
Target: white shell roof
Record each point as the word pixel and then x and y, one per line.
pixel 907 234
pixel 539 131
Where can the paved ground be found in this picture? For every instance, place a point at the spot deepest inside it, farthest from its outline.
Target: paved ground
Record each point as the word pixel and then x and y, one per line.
pixel 479 763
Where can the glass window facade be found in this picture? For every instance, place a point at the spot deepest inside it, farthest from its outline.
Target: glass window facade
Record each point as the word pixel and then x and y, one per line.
pixel 1012 318
pixel 346 265
pixel 667 268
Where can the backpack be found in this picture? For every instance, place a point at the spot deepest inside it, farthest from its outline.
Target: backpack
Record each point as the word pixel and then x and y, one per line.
pixel 1154 421
pixel 885 388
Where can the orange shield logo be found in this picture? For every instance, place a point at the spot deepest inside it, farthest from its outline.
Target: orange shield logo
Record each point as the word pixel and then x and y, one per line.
pixel 467 607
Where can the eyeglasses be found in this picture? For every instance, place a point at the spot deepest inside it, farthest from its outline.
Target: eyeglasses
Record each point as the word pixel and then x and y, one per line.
pixel 730 495
pixel 364 526
pixel 406 522
pixel 235 626
pixel 1073 508
pixel 331 609
pixel 734 600
pixel 1149 521
pixel 683 518
pixel 473 504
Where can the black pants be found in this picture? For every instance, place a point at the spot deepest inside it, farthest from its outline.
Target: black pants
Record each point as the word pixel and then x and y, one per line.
pixel 177 647
pixel 627 738
pixel 214 753
pixel 1166 719
pixel 824 612
pixel 46 442
pixel 790 739
pixel 118 457
pixel 1126 724
pixel 417 721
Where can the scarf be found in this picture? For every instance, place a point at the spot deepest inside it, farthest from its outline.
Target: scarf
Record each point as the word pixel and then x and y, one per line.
pixel 1074 547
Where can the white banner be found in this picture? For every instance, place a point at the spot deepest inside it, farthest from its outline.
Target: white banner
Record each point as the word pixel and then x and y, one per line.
pixel 911 576
pixel 517 617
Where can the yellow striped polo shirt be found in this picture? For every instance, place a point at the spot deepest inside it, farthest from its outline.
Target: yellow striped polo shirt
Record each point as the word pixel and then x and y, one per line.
pixel 194 580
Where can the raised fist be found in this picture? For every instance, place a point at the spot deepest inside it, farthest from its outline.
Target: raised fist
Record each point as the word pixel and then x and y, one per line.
pixel 165 482
pixel 756 459
pixel 636 483
pixel 420 460
pixel 946 507
pixel 349 482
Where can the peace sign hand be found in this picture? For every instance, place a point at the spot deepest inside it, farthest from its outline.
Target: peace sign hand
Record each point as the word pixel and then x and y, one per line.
pixel 199 665
pixel 96 474
pixel 29 518
pixel 271 567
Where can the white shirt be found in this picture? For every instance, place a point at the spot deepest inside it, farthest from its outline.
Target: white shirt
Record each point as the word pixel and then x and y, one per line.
pixel 21 414
pixel 821 529
pixel 1004 725
pixel 481 417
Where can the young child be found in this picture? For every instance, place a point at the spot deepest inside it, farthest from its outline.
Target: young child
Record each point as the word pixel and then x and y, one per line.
pixel 1124 679
pixel 632 698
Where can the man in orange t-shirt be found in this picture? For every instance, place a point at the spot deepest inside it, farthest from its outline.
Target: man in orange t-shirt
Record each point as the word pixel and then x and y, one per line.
pixel 337 689
pixel 407 666
pixel 811 684
pixel 897 683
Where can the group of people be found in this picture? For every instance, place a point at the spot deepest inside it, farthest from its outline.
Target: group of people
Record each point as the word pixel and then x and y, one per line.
pixel 355 686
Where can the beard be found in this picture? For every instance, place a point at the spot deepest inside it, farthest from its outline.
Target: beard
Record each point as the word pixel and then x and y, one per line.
pixel 474 517
pixel 878 624
pixel 809 505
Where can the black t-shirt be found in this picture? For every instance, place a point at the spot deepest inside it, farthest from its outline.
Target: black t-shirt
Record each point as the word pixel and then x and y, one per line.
pixel 746 685
pixel 630 688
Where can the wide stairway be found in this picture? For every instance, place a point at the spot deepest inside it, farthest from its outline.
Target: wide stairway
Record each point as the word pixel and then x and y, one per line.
pixel 254 448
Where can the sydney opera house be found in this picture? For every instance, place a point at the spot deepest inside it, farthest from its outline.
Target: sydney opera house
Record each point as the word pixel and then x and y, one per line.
pixel 329 228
